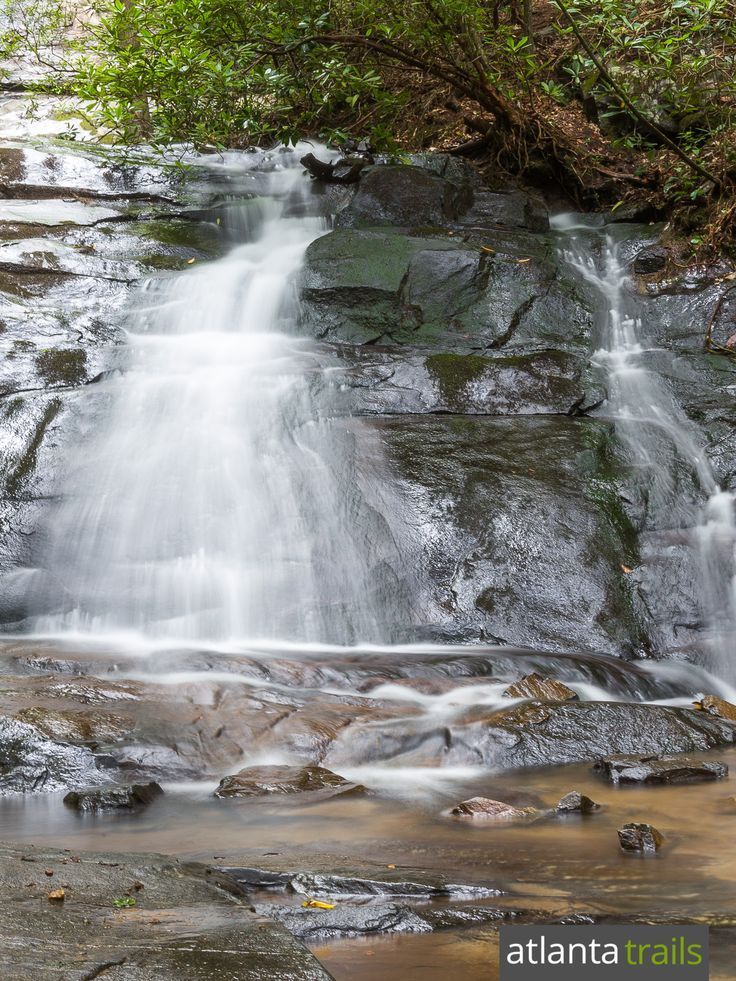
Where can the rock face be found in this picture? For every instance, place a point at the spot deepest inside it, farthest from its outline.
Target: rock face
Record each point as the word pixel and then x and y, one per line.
pixel 660 769
pixel 640 838
pixel 546 689
pixel 536 734
pixel 455 331
pixel 406 196
pixel 29 762
pixel 133 798
pixel 261 781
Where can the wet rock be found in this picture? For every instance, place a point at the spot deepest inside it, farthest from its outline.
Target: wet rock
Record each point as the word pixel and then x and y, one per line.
pixel 536 686
pixel 512 208
pixel 437 290
pixel 651 259
pixel 346 920
pixel 717 706
pixel 535 734
pixel 88 728
pixel 405 196
pixel 133 798
pixel 640 838
pixel 260 781
pixel 190 923
pixel 352 887
pixel 387 381
pixel 576 803
pixel 31 763
pixel 521 527
pixel 483 808
pixel 660 769
pixel 62 366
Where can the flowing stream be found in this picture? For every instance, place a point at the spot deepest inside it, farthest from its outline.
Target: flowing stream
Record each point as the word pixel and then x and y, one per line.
pixel 665 450
pixel 216 501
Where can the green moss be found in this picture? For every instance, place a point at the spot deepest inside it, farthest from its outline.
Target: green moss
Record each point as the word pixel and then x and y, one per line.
pixel 182 235
pixel 27 464
pixel 452 374
pixel 155 260
pixel 13 407
pixel 62 366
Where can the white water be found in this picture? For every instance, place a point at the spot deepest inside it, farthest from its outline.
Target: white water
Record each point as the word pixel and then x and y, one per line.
pixel 218 501
pixel 661 444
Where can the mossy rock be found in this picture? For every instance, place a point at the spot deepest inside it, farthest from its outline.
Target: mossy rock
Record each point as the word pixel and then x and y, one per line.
pixel 62 366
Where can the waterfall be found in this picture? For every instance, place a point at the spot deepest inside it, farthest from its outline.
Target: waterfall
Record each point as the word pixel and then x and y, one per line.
pixel 218 498
pixel 661 445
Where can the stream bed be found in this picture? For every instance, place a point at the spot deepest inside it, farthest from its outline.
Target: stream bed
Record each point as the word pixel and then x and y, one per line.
pixel 297 482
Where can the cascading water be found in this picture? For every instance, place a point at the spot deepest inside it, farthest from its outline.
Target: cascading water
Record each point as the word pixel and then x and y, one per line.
pixel 662 446
pixel 218 500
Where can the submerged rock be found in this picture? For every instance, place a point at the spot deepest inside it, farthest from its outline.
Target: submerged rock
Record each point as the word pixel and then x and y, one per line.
pixel 261 781
pixel 347 920
pixel 535 686
pixel 660 769
pixel 575 802
pixel 641 838
pixel 484 808
pixel 131 798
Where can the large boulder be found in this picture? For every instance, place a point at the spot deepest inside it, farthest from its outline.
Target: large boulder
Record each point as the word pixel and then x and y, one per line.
pixel 407 196
pixel 439 290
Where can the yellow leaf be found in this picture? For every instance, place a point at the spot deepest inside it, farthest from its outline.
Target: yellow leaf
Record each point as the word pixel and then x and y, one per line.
pixel 487 248
pixel 190 261
pixel 316 904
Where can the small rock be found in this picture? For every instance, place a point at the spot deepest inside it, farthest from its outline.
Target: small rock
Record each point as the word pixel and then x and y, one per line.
pixel 536 686
pixel 130 798
pixel 57 896
pixel 260 781
pixel 575 802
pixel 48 872
pixel 650 259
pixel 641 838
pixel 494 810
pixel 717 706
pixel 659 769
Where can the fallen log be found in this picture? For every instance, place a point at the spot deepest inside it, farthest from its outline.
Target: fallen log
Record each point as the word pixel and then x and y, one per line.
pixel 347 170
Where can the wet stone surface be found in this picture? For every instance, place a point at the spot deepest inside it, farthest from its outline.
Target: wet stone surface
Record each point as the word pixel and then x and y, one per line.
pixel 183 921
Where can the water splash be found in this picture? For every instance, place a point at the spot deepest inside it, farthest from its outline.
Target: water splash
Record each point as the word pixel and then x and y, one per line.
pixel 664 449
pixel 219 499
